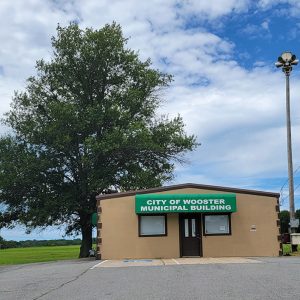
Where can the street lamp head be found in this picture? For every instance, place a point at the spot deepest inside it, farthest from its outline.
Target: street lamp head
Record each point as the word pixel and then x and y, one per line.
pixel 285 61
pixel 287 56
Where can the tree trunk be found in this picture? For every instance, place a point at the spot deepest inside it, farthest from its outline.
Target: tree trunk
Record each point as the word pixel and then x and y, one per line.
pixel 86 242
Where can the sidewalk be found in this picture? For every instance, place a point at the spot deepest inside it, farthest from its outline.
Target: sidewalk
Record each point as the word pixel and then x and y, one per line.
pixel 173 261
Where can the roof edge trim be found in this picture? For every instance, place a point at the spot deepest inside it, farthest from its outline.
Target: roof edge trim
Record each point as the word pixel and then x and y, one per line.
pixel 184 186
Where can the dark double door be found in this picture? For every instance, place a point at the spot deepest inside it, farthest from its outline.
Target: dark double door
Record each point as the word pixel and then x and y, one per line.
pixel 190 235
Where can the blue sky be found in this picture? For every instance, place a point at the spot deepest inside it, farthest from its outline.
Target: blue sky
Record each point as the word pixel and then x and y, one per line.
pixel 225 86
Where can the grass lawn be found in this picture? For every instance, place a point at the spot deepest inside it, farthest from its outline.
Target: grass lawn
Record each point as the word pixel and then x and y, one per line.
pixel 37 254
pixel 287 250
pixel 51 253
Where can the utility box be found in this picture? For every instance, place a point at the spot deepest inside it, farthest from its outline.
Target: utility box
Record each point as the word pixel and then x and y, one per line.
pixel 294 223
pixel 285 238
pixel 295 238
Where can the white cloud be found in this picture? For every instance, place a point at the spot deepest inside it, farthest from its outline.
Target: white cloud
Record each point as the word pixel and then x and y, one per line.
pixel 257 31
pixel 215 96
pixel 25 38
pixel 214 9
pixel 241 128
pixel 265 25
pixel 290 8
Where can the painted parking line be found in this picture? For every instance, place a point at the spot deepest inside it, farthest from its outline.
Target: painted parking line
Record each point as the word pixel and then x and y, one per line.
pixel 176 261
pixel 130 263
pixel 98 265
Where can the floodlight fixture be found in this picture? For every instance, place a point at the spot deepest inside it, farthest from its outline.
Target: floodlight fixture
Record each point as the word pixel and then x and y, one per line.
pixel 295 62
pixel 287 56
pixel 286 60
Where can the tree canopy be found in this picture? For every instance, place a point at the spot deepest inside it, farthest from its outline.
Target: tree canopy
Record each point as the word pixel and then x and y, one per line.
pixel 284 216
pixel 86 123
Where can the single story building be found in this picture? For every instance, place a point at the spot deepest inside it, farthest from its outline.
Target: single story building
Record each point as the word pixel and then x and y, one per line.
pixel 188 220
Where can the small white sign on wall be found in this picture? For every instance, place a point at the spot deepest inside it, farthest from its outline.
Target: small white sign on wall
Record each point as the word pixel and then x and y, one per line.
pixel 253 228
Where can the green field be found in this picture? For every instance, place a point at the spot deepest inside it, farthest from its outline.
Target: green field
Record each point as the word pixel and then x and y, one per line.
pixel 37 254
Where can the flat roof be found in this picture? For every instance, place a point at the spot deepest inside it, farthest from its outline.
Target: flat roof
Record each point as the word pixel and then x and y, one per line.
pixel 184 186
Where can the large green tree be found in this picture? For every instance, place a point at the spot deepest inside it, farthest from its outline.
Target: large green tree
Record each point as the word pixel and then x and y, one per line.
pixel 86 123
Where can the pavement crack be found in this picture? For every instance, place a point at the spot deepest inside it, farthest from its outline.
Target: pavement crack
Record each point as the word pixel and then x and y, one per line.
pixel 6 269
pixel 61 285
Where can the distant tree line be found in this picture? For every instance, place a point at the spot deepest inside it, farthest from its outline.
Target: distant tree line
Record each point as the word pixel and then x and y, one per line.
pixel 38 243
pixel 284 216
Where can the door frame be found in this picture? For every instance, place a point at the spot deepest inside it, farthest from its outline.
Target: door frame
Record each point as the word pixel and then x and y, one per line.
pixel 199 217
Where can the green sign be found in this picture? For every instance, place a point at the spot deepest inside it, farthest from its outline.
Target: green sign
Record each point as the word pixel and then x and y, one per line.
pixel 184 203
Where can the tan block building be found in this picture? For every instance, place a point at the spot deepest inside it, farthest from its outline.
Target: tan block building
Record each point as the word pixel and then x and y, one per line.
pixel 188 220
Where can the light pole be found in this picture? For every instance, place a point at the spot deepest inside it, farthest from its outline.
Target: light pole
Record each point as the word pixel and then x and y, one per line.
pixel 286 61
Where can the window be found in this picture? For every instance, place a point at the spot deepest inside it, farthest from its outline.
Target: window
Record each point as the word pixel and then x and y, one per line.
pixel 217 224
pixel 153 225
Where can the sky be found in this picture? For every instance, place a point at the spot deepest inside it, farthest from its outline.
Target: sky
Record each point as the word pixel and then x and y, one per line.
pixel 226 87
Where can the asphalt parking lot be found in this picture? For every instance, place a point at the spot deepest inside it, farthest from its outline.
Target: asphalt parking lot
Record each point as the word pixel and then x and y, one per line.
pixel 253 278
